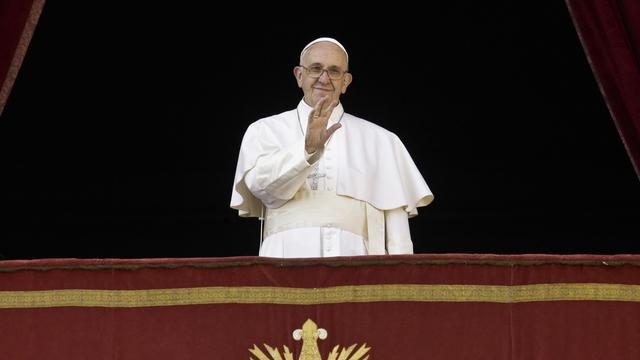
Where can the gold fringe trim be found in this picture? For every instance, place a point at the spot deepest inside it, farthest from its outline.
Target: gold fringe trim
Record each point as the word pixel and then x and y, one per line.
pixel 314 296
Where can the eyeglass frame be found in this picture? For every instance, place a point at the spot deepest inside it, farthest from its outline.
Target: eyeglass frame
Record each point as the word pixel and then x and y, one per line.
pixel 343 73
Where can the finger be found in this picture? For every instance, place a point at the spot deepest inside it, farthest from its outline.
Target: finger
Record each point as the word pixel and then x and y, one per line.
pixel 319 105
pixel 329 108
pixel 333 129
pixel 313 115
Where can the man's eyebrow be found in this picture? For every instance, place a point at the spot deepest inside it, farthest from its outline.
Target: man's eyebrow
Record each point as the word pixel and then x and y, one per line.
pixel 332 67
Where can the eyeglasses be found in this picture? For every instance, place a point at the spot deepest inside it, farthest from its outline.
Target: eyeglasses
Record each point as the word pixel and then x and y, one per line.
pixel 316 71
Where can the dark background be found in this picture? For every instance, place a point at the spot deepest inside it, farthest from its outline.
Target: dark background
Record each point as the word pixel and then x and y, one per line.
pixel 121 135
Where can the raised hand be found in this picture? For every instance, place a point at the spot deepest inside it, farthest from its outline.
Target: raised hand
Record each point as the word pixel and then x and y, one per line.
pixel 317 132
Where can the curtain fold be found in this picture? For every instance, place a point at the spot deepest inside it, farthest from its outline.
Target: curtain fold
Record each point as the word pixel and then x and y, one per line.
pixel 610 34
pixel 18 19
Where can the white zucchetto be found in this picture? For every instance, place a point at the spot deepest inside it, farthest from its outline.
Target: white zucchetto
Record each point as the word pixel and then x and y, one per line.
pixel 324 39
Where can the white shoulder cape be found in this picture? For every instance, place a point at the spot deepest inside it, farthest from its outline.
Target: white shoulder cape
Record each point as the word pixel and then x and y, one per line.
pixel 373 164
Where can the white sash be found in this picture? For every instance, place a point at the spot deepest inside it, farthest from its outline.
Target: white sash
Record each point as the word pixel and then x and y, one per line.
pixel 326 209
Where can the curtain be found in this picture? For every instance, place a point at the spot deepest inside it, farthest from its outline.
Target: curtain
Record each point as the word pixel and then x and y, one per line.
pixel 18 19
pixel 610 34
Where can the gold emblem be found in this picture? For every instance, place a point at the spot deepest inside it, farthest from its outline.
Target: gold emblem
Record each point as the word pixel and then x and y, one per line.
pixel 309 335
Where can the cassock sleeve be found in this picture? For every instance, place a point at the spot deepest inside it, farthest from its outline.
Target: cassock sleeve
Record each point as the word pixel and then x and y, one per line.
pixel 398 237
pixel 277 177
pixel 268 172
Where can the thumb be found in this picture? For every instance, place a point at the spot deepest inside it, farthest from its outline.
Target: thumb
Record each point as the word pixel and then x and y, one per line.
pixel 333 129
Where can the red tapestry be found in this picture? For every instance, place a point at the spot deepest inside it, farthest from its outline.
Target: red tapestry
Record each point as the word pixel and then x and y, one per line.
pixel 387 307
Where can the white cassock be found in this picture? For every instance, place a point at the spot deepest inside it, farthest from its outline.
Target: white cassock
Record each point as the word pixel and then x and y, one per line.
pixel 352 198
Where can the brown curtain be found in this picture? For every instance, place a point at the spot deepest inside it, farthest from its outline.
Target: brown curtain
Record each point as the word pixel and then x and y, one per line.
pixel 18 19
pixel 610 34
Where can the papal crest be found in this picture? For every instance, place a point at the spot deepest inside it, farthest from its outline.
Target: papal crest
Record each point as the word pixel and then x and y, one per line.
pixel 309 335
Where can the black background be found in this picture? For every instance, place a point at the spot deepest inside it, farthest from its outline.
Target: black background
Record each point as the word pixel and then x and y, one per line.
pixel 121 135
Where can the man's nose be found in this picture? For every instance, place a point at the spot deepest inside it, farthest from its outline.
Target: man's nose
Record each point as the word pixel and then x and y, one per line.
pixel 324 76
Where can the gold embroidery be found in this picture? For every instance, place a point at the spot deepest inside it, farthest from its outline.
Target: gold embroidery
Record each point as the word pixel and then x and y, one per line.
pixel 313 296
pixel 309 335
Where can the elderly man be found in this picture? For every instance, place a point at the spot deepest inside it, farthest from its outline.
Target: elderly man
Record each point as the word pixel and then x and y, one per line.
pixel 325 182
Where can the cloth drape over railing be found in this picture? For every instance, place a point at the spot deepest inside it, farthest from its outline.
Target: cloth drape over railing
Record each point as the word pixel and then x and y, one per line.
pixel 389 307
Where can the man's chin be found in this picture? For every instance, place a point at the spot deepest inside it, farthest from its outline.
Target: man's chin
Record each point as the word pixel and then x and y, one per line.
pixel 320 94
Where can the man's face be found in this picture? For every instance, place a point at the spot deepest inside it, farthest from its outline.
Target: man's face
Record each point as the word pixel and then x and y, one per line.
pixel 328 56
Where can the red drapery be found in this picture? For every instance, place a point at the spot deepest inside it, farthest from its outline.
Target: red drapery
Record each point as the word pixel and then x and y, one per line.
pixel 610 34
pixel 18 19
pixel 402 307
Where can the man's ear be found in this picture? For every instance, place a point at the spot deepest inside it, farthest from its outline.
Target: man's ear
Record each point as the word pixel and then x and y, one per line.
pixel 297 72
pixel 348 78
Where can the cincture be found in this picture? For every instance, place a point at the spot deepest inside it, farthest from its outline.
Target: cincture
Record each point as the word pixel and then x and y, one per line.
pixel 326 209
